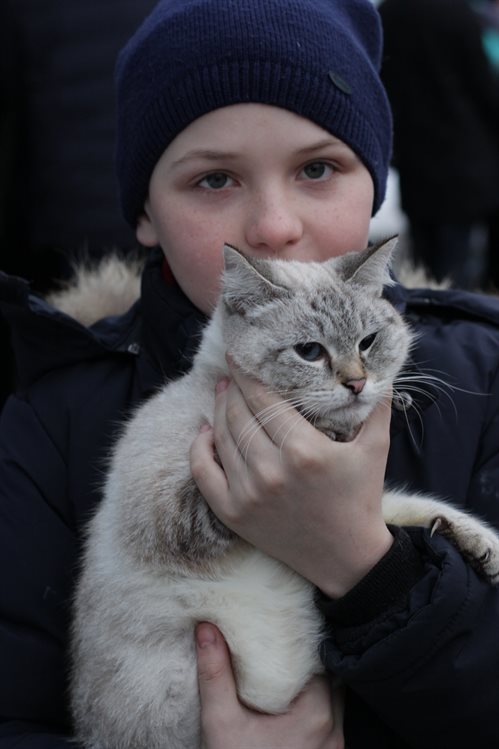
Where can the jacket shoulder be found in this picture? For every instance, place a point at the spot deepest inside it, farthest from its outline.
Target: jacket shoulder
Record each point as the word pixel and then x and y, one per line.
pixel 455 304
pixel 45 338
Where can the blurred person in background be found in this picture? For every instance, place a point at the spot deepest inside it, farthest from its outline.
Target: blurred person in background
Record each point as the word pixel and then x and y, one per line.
pixel 57 134
pixel 488 12
pixel 446 118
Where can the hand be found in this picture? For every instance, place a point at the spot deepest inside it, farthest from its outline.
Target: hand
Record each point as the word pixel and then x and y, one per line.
pixel 314 720
pixel 289 490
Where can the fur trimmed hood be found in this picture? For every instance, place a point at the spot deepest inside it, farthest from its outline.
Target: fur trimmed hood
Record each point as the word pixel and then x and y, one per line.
pixel 97 290
pixel 111 286
pixel 100 311
pixel 118 307
pixel 90 316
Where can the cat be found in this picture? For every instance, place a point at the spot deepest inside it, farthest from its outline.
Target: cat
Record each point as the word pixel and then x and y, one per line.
pixel 157 560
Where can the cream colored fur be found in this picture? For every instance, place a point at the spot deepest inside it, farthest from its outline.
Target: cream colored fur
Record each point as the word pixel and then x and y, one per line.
pixel 416 277
pixel 97 290
pixel 111 285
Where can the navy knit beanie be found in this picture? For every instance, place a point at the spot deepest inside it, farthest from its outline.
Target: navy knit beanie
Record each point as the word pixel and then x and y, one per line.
pixel 317 58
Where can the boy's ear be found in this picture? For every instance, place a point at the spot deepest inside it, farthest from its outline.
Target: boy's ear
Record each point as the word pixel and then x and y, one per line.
pixel 246 282
pixel 370 267
pixel 146 231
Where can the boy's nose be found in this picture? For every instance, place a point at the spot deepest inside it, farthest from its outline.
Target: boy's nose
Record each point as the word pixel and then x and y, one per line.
pixel 273 225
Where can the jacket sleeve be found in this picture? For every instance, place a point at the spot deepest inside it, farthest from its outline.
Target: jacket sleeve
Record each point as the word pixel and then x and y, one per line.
pixel 427 665
pixel 37 559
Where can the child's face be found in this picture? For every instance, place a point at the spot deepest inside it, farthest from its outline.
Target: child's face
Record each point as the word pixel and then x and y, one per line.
pixel 260 178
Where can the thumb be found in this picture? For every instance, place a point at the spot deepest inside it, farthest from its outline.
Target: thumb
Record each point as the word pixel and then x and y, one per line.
pixel 378 422
pixel 217 687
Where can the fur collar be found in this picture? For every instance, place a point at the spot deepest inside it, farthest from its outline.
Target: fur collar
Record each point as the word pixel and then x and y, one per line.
pixel 111 285
pixel 102 289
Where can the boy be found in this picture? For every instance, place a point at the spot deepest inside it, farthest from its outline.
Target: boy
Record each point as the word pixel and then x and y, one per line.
pixel 264 125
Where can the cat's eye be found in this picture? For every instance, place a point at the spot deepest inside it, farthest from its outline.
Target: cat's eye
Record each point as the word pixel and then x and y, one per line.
pixel 367 342
pixel 311 351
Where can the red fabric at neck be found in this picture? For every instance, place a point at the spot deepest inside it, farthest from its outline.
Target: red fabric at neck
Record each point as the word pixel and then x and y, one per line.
pixel 168 276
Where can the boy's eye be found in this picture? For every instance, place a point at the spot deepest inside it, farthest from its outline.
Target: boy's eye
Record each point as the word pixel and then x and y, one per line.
pixel 215 181
pixel 317 170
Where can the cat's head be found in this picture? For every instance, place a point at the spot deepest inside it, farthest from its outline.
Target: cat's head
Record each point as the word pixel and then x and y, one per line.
pixel 318 333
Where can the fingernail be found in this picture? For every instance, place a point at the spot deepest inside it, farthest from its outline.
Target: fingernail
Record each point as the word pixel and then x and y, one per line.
pixel 205 427
pixel 222 385
pixel 205 636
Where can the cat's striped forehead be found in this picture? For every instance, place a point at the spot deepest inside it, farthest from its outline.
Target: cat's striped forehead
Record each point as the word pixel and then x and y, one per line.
pixel 335 309
pixel 323 299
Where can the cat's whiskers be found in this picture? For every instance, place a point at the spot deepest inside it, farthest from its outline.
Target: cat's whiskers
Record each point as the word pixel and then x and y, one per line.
pixel 260 420
pixel 416 410
pixel 414 382
pixel 424 375
pixel 436 386
pixel 427 372
pixel 305 403
pixel 295 419
pixel 305 406
pixel 312 404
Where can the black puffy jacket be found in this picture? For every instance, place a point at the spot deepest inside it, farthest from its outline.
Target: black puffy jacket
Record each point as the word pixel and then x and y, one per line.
pixel 420 664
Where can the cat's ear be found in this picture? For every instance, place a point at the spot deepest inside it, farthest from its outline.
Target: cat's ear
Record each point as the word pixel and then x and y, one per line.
pixel 371 267
pixel 246 282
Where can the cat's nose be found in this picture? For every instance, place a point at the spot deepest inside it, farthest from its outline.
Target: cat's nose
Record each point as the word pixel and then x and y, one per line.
pixel 356 385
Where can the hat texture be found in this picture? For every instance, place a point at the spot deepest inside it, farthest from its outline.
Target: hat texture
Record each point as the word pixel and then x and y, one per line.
pixel 316 58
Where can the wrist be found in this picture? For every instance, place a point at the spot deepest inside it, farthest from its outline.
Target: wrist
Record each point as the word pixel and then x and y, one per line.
pixel 382 589
pixel 358 555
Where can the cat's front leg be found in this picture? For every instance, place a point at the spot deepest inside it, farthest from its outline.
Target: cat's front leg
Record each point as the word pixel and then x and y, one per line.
pixel 477 541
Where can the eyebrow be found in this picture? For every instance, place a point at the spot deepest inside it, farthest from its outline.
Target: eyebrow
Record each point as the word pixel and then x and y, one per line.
pixel 202 153
pixel 327 142
pixel 214 155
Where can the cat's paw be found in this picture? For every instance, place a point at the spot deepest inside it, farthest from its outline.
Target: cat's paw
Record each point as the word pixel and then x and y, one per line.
pixel 476 542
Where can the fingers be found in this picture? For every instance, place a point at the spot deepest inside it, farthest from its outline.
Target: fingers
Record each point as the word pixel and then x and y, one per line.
pixel 377 425
pixel 217 687
pixel 338 707
pixel 329 707
pixel 227 724
pixel 317 692
pixel 261 413
pixel 276 416
pixel 325 705
pixel 206 472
